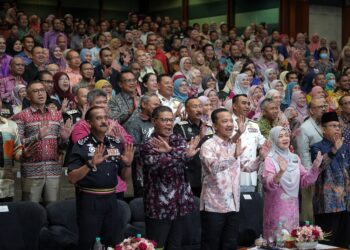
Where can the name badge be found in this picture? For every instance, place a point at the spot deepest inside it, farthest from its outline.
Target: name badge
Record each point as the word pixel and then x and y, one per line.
pixel 252 130
pixel 113 151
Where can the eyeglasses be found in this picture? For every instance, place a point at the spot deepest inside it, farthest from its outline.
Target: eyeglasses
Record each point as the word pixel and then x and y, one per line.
pixel 63 79
pixel 321 107
pixel 334 126
pixel 165 120
pixel 345 103
pixel 128 81
pixel 37 91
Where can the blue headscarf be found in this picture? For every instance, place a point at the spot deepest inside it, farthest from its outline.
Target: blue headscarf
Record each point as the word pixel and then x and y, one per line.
pixel 289 91
pixel 182 97
pixel 330 83
pixel 83 53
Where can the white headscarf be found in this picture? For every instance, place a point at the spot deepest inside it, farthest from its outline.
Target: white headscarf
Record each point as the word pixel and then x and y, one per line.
pixel 290 179
pixel 267 86
pixel 238 88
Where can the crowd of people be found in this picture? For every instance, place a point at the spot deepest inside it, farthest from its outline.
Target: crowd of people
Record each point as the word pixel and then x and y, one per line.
pixel 178 111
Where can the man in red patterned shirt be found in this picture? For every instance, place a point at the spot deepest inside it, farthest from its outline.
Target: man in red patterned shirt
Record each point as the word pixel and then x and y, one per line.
pixel 44 130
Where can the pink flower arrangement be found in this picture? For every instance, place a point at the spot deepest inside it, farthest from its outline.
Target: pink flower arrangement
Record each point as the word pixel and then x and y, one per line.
pixel 134 243
pixel 308 233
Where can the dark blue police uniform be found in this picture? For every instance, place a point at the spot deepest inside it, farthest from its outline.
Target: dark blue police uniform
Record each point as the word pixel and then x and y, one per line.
pixel 96 202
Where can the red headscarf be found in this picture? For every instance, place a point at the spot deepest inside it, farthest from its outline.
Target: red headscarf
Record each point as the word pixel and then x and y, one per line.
pixel 59 92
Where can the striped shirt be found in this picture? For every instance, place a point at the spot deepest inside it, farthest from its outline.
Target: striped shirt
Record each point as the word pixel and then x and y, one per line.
pixel 44 162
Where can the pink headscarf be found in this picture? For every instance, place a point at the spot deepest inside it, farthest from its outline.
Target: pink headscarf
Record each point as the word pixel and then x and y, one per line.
pixel 314 91
pixel 302 111
pixel 258 111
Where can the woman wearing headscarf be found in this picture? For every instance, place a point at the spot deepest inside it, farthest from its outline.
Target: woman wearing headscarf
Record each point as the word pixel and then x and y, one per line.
pixel 283 79
pixel 269 76
pixel 213 97
pixel 62 97
pixel 207 108
pixel 180 90
pixel 291 88
pixel 319 92
pixel 85 55
pixel 56 57
pixel 283 175
pixel 254 95
pixel 185 67
pixel 107 87
pixel 242 84
pixel 278 85
pixel 330 78
pixel 18 94
pixel 314 43
pixel 299 103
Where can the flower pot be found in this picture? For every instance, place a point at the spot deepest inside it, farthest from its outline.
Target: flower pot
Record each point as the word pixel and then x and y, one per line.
pixel 306 245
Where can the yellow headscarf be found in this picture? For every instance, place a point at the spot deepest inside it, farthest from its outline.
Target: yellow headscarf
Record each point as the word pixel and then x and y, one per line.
pixel 99 84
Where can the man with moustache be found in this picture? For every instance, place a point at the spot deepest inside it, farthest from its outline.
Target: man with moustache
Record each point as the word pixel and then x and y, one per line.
pixel 251 138
pixel 124 103
pixel 168 199
pixel 188 129
pixel 95 162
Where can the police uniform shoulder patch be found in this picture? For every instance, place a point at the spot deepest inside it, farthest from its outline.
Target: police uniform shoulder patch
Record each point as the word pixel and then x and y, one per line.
pixel 72 112
pixel 82 141
pixel 183 122
pixel 114 139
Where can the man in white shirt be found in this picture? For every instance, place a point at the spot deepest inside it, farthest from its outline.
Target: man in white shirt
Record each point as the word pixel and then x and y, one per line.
pixel 252 140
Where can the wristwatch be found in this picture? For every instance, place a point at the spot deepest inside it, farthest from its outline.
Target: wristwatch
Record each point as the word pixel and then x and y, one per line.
pixel 91 166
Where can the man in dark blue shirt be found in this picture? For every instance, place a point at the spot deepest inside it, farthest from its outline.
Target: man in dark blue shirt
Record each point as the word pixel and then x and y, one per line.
pixel 95 163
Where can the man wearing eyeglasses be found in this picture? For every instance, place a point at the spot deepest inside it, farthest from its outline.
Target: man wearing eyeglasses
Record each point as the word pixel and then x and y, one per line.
pixel 168 199
pixel 310 132
pixel 331 199
pixel 43 129
pixel 124 103
pixel 344 118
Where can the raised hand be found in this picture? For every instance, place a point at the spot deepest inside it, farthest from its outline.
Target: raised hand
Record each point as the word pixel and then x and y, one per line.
pixel 178 111
pixel 85 109
pixel 29 150
pixel 192 146
pixel 64 106
pixel 66 130
pixel 98 157
pixel 160 145
pixel 239 150
pixel 128 155
pixel 44 131
pixel 241 124
pixel 337 142
pixel 203 130
pixel 317 162
pixel 265 149
pixel 282 163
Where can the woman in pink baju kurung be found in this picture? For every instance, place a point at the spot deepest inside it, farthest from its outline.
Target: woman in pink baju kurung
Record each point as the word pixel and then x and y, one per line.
pixel 283 174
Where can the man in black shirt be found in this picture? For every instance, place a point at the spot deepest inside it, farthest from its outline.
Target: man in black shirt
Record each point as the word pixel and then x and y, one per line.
pixel 190 128
pixel 93 169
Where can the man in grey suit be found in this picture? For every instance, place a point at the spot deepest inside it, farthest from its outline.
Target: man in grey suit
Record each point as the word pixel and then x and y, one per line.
pixel 310 132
